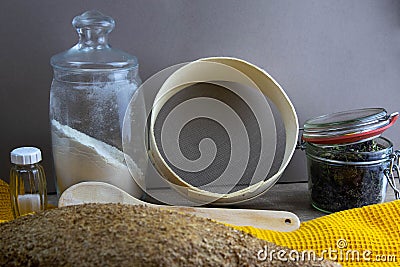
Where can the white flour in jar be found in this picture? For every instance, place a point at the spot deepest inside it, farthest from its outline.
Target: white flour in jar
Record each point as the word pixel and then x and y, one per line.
pixel 79 157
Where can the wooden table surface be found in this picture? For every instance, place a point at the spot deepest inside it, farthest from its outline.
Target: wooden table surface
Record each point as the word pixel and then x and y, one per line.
pixel 291 197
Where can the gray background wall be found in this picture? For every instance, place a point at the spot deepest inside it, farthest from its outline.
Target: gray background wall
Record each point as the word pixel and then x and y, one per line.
pixel 327 55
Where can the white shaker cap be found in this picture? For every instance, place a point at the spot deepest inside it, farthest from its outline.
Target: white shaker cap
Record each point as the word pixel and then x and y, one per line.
pixel 26 155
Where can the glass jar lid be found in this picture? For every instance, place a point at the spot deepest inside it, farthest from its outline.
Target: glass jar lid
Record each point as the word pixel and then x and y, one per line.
pixel 93 52
pixel 348 126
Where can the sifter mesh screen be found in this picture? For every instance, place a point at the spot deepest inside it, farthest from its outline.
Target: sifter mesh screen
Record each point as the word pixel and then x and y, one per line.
pixel 218 153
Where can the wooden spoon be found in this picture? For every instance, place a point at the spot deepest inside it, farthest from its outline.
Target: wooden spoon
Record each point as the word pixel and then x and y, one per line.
pixel 99 192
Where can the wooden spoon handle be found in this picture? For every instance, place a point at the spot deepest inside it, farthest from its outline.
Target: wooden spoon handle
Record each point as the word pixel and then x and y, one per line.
pixel 283 221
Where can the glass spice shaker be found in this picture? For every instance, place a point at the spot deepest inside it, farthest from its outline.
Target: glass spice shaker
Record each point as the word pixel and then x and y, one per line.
pixel 27 181
pixel 347 159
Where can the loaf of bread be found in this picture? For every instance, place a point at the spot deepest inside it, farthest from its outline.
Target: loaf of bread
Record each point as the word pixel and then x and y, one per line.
pixel 124 235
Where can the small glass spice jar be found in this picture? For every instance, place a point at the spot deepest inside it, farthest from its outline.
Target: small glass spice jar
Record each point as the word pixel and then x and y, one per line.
pixel 347 160
pixel 27 181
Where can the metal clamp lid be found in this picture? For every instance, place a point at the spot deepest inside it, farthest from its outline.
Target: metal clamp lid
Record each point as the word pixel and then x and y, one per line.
pixel 390 173
pixel 348 126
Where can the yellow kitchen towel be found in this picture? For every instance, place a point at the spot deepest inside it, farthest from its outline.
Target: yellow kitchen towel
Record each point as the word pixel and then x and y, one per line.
pixel 5 202
pixel 368 236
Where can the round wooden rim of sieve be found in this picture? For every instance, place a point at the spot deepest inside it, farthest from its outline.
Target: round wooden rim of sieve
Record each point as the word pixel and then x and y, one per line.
pixel 199 71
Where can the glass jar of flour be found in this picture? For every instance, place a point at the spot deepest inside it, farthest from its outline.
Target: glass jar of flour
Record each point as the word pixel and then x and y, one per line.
pixel 92 86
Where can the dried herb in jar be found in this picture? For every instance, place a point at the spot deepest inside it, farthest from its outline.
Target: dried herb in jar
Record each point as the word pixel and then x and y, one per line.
pixel 348 176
